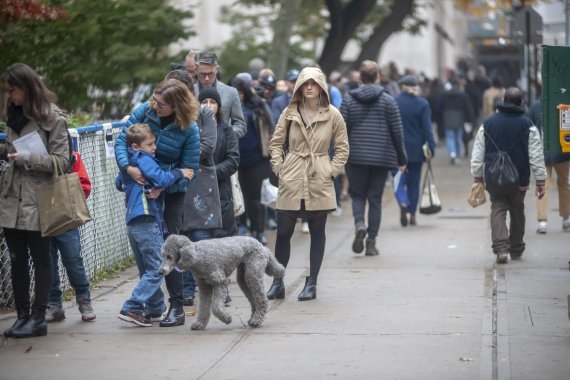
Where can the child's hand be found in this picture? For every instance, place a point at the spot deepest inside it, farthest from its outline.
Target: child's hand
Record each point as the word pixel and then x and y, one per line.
pixel 153 193
pixel 188 173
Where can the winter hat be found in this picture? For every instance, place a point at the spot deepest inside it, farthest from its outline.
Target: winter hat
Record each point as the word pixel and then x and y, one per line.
pixel 409 80
pixel 268 80
pixel 245 77
pixel 211 93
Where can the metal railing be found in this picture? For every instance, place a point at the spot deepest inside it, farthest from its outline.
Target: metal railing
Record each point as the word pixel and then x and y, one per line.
pixel 104 240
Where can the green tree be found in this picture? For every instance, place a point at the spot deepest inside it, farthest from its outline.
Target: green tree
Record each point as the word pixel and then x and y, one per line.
pixel 102 49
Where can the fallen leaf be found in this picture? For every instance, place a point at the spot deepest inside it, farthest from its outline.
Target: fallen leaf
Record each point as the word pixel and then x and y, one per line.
pixel 465 359
pixel 28 349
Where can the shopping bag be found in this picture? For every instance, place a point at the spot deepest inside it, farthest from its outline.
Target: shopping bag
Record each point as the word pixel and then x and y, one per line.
pixel 429 203
pixel 268 194
pixel 61 203
pixel 477 194
pixel 237 195
pixel 399 186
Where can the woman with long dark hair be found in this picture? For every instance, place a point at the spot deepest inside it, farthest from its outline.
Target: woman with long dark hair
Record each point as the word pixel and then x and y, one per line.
pixel 31 110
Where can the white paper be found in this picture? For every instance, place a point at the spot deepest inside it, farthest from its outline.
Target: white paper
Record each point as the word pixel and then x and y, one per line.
pixel 32 142
pixel 109 140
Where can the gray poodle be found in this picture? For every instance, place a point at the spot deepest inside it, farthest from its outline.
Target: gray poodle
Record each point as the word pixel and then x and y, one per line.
pixel 212 261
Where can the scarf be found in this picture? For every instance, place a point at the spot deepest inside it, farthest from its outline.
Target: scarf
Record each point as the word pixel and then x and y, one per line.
pixel 16 119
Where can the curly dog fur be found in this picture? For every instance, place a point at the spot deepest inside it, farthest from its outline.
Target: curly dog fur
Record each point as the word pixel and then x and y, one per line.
pixel 212 261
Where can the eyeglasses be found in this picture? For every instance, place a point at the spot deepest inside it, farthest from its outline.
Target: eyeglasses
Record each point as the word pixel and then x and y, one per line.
pixel 207 75
pixel 160 104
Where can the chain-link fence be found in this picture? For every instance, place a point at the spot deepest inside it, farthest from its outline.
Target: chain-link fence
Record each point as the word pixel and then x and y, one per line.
pixel 104 240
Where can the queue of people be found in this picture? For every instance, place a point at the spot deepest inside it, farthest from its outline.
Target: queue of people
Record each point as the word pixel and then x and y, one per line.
pixel 179 149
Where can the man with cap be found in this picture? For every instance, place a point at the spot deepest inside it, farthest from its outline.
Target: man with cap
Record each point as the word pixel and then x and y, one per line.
pixel 207 69
pixel 281 102
pixel 267 87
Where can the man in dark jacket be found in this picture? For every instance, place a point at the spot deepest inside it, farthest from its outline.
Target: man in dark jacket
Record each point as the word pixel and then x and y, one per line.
pixel 376 139
pixel 509 130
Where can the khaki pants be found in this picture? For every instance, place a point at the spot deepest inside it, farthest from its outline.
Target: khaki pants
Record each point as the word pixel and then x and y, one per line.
pixel 561 170
pixel 508 240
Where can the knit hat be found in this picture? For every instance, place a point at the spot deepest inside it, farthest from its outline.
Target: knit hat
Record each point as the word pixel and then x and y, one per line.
pixel 245 77
pixel 210 93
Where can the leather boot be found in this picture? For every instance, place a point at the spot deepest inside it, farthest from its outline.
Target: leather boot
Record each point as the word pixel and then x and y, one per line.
pixel 175 315
pixel 277 290
pixel 309 292
pixel 35 325
pixel 23 315
pixel 371 249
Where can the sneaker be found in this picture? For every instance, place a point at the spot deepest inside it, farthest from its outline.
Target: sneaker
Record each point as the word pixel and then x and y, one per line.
pixel 338 212
pixel 305 228
pixel 86 310
pixel 135 317
pixel 54 314
pixel 271 224
pixel 566 224
pixel 502 258
pixel 541 227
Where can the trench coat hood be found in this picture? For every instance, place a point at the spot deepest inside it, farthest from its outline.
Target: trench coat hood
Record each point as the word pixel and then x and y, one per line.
pixel 318 76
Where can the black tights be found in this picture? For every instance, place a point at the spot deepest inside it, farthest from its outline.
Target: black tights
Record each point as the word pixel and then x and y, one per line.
pixel 286 226
pixel 19 242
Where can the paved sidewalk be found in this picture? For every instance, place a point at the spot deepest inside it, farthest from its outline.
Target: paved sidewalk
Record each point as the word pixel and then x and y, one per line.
pixel 432 305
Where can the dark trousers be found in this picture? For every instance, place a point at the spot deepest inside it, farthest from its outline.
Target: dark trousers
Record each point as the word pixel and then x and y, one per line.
pixel 508 239
pixel 173 209
pixel 366 183
pixel 413 177
pixel 19 242
pixel 286 221
pixel 250 179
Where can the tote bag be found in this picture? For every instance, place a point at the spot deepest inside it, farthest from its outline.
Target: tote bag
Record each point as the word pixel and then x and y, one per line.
pixel 429 203
pixel 61 203
pixel 239 204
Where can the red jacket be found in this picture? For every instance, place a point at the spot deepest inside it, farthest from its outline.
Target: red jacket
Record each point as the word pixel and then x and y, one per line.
pixel 79 168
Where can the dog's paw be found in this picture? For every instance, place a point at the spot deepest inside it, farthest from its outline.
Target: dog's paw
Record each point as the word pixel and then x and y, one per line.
pixel 227 319
pixel 198 326
pixel 255 322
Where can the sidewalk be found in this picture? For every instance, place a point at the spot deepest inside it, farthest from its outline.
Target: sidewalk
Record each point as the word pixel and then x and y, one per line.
pixel 432 305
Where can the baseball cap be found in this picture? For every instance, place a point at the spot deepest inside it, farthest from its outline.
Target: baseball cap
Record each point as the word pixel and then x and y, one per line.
pixel 268 80
pixel 292 75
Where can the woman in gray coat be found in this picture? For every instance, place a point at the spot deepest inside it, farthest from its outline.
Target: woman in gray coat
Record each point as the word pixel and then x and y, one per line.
pixel 30 111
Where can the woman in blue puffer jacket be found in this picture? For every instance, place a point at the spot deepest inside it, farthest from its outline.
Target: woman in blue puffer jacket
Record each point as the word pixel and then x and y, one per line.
pixel 171 113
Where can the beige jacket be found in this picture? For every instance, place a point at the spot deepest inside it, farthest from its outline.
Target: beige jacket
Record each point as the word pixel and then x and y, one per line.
pixel 307 172
pixel 19 180
pixel 489 99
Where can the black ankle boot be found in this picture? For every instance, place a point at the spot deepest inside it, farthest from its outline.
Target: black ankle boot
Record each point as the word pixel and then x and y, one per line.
pixel 35 325
pixel 309 292
pixel 175 315
pixel 277 290
pixel 23 315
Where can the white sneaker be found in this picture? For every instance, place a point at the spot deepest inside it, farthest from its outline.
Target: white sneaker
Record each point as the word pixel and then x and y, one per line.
pixel 337 212
pixel 541 227
pixel 566 224
pixel 305 228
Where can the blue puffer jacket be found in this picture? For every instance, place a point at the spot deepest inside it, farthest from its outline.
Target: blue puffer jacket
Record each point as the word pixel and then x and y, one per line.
pixel 176 147
pixel 156 178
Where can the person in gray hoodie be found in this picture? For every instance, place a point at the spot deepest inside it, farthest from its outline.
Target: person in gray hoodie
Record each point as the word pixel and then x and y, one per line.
pixel 376 138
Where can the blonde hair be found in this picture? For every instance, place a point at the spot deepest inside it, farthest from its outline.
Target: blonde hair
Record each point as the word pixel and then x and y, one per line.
pixel 137 133
pixel 177 94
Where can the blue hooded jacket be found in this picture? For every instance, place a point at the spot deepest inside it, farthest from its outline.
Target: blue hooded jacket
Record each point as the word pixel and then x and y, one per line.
pixel 136 202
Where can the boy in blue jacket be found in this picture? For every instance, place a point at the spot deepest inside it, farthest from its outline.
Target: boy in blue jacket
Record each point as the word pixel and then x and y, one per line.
pixel 145 224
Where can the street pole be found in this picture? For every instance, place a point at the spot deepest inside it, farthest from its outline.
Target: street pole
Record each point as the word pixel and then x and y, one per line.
pixel 567 13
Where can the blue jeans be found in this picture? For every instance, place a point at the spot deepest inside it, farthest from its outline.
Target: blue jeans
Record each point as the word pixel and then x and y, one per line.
pixel 366 183
pixel 145 236
pixel 69 246
pixel 413 178
pixel 454 140
pixel 187 278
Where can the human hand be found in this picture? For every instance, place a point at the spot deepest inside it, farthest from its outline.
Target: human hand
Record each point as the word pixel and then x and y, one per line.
pixel 154 193
pixel 22 156
pixel 135 174
pixel 540 191
pixel 188 173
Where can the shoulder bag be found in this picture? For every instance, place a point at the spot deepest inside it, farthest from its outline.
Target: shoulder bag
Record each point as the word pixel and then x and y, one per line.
pixel 429 203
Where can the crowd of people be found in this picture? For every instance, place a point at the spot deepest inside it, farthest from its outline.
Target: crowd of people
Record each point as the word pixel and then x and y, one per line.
pixel 324 139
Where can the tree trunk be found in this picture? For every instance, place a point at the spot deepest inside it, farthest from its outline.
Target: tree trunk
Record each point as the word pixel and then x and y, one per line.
pixel 282 33
pixel 344 21
pixel 393 23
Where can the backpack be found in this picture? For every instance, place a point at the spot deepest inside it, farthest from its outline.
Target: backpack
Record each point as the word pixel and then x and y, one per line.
pixel 501 176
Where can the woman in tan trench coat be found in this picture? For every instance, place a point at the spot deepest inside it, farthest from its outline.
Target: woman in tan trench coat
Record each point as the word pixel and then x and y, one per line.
pixel 306 175
pixel 30 110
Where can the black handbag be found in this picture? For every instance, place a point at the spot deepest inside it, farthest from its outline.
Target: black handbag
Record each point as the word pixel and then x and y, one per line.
pixel 273 178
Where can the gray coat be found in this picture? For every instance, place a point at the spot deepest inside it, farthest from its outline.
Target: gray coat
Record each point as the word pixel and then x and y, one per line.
pixel 232 112
pixel 19 180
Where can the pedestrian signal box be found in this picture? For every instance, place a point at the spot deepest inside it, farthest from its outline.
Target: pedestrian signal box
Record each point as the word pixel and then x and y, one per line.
pixel 564 122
